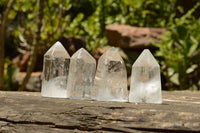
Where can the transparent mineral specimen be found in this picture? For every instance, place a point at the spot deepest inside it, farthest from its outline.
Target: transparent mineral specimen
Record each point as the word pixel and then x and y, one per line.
pixel 145 80
pixel 81 75
pixel 55 72
pixel 111 78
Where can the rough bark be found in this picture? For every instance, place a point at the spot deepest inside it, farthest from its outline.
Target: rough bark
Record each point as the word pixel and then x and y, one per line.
pixel 2 40
pixel 29 112
pixel 34 51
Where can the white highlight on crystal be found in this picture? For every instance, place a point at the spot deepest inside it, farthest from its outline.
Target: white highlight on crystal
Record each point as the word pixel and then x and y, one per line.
pixel 55 87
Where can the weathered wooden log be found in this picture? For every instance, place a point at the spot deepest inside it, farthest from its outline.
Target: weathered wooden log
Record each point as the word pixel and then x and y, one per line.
pixel 29 112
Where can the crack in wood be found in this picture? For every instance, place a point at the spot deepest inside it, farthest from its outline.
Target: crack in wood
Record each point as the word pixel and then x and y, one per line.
pixel 87 128
pixel 20 114
pixel 81 127
pixel 164 130
pixel 26 122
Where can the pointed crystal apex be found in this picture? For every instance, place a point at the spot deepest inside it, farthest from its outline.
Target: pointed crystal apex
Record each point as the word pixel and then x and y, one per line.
pixel 57 50
pixel 112 54
pixel 111 78
pixel 145 80
pixel 146 59
pixel 83 54
pixel 81 75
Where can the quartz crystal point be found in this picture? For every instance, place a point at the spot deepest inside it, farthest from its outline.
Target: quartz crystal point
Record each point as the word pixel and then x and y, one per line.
pixel 81 75
pixel 55 72
pixel 145 80
pixel 111 78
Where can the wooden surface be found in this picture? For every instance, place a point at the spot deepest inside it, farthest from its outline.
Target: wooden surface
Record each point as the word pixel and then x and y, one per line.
pixel 28 112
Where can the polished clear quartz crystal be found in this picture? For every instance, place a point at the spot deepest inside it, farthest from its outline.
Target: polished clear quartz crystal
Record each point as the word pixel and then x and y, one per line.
pixel 145 80
pixel 81 75
pixel 111 78
pixel 55 72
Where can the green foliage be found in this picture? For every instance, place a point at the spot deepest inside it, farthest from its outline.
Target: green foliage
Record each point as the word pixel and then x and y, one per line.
pixel 87 18
pixel 54 20
pixel 180 51
pixel 133 12
pixel 145 13
pixel 9 75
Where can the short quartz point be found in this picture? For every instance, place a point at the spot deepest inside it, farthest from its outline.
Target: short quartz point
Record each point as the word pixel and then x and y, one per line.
pixel 145 80
pixel 81 75
pixel 111 78
pixel 55 72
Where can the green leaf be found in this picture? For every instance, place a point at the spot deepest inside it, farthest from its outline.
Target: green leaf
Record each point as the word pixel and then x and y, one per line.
pixel 30 16
pixel 126 2
pixel 192 49
pixel 191 69
pixel 16 6
pixel 182 32
pixel 12 14
pixel 174 79
pixel 56 1
pixel 14 71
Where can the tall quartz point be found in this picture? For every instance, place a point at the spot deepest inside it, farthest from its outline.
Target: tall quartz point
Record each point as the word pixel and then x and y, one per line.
pixel 55 72
pixel 81 75
pixel 145 80
pixel 111 78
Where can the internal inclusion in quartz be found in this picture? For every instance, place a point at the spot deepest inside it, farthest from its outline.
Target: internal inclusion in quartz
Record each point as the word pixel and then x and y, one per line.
pixel 55 72
pixel 145 80
pixel 81 75
pixel 111 78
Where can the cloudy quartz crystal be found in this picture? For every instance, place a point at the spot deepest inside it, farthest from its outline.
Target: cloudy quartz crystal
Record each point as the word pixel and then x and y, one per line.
pixel 55 72
pixel 145 80
pixel 111 78
pixel 81 75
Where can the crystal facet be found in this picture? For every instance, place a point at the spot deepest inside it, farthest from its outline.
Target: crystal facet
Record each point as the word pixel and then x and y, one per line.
pixel 111 78
pixel 55 72
pixel 81 75
pixel 145 80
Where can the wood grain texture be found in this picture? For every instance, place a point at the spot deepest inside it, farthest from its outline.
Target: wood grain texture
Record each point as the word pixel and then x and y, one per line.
pixel 29 112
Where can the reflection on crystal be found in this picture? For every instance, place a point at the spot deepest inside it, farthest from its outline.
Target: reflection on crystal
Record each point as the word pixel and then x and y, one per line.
pixel 145 80
pixel 55 71
pixel 111 78
pixel 81 75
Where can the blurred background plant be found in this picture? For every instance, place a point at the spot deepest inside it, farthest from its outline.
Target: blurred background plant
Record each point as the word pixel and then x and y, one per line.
pixel 9 75
pixel 34 25
pixel 179 52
